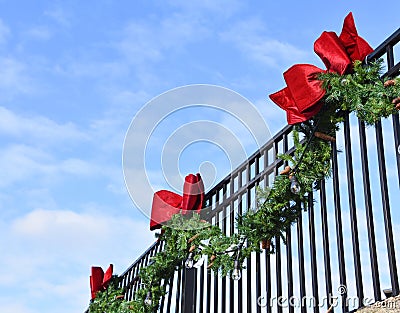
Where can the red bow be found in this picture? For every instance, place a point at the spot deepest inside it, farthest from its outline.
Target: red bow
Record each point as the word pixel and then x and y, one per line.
pixel 301 98
pixel 167 203
pixel 99 280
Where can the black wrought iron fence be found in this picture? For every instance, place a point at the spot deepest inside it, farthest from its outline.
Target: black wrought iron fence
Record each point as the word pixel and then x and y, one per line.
pixel 345 247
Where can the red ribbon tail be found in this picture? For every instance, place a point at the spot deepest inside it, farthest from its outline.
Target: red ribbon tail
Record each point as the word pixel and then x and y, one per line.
pixel 107 276
pixel 284 100
pixel 193 193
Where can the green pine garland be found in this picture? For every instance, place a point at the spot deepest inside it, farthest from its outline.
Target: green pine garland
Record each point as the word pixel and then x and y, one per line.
pixel 111 300
pixel 362 92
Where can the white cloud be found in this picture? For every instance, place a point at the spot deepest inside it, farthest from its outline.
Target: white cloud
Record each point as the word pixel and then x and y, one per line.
pixel 30 154
pixel 78 167
pixel 60 16
pixel 13 305
pixel 39 223
pixel 222 7
pixel 19 162
pixel 4 32
pixel 38 127
pixel 39 33
pixel 250 36
pixel 100 71
pixel 143 42
pixel 60 232
pixel 49 254
pixel 22 162
pixel 31 145
pixel 13 77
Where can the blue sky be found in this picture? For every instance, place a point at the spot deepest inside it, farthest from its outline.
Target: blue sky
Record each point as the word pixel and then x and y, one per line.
pixel 73 74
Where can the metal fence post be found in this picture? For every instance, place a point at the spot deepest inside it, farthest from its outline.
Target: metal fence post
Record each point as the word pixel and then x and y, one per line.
pixel 189 290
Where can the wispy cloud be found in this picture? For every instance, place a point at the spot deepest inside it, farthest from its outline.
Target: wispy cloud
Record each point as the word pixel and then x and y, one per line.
pixel 20 162
pixel 59 15
pixel 39 33
pixel 251 37
pixel 150 40
pixel 38 127
pixel 23 163
pixel 10 305
pixel 4 32
pixel 13 77
pixel 31 147
pixel 223 7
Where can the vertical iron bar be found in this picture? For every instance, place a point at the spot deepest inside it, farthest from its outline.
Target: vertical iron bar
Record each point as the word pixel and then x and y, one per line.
pixel 268 282
pixel 181 274
pixel 258 271
pixel 267 256
pixel 289 266
pixel 248 267
pixel 386 210
pixel 339 230
pixel 208 307
pixel 325 244
pixel 369 212
pixel 278 273
pixel 278 244
pixel 300 247
pixel 232 230
pixel 240 282
pixel 136 286
pixel 162 300
pixel 216 296
pixel 395 117
pixel 178 290
pixel 289 263
pixel 216 281
pixel 353 211
pixel 258 282
pixel 164 282
pixel 201 285
pixel 258 256
pixel 396 133
pixel 313 253
pixel 389 56
pixel 223 283
pixel 126 282
pixel 189 290
pixel 195 291
pixel 170 288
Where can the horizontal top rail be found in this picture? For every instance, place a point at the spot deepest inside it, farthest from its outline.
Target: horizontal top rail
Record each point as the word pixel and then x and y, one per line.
pixel 382 48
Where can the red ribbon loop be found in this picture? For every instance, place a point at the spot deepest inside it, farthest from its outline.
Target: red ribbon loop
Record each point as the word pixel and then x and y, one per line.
pixel 331 51
pixel 167 203
pixel 356 47
pixel 300 99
